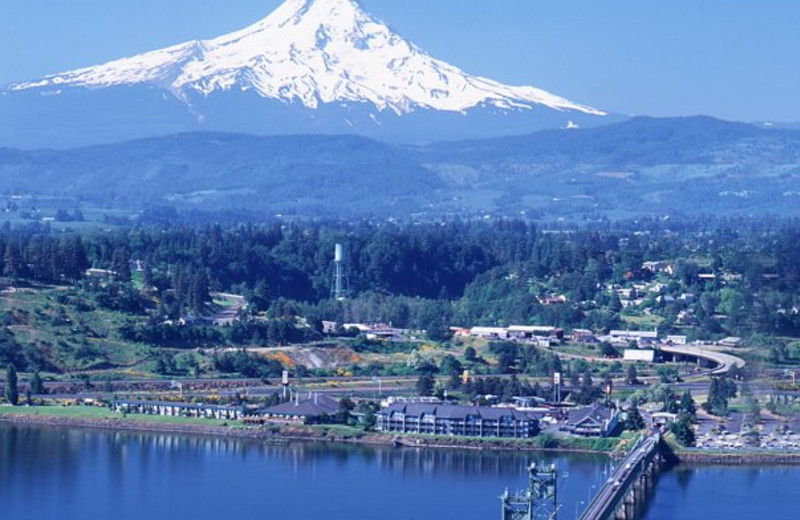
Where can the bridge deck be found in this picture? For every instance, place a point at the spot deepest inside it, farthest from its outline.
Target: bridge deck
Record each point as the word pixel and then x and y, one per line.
pixel 724 361
pixel 613 491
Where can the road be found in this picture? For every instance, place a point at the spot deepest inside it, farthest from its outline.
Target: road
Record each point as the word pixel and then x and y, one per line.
pixel 724 361
pixel 607 499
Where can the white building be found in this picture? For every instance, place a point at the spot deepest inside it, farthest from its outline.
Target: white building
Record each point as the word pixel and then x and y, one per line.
pixel 528 332
pixel 677 340
pixel 489 332
pixel 634 335
pixel 635 354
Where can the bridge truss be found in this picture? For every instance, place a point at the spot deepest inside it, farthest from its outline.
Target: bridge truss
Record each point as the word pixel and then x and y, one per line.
pixel 539 502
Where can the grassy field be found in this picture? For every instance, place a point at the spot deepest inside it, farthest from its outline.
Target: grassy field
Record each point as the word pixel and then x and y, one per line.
pixel 644 322
pixel 543 441
pixel 96 412
pixel 69 333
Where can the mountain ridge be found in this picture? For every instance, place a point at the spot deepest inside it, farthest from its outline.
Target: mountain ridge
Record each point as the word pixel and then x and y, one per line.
pixel 673 166
pixel 306 57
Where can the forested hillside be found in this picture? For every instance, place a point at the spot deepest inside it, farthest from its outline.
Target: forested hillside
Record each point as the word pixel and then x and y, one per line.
pixel 642 167
pixel 724 278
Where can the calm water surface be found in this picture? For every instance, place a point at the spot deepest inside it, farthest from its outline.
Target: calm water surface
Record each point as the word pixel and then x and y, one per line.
pixel 729 493
pixel 66 474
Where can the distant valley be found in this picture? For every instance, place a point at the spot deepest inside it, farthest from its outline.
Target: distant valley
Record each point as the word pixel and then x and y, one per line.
pixel 643 166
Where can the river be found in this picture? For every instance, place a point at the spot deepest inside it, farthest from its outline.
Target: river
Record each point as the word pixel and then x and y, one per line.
pixel 726 493
pixel 71 474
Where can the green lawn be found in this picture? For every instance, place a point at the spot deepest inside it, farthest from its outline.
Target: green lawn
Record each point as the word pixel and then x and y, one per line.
pixel 70 339
pixel 644 322
pixel 95 412
pixel 543 441
pixel 86 412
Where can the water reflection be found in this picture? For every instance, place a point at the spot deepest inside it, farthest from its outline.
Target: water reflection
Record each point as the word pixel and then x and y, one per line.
pixel 66 474
pixel 699 493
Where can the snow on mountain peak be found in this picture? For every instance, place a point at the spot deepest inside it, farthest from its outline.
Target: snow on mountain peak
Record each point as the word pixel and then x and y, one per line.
pixel 313 52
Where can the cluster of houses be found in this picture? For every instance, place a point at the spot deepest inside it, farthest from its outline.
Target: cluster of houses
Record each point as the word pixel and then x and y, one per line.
pixel 424 416
pixel 543 336
pixel 437 418
pixel 371 331
pixel 174 409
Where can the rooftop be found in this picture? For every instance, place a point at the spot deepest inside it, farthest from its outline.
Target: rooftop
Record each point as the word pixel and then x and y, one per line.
pixel 309 407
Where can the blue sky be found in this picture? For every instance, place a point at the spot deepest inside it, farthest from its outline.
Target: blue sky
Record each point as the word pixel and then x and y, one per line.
pixel 734 59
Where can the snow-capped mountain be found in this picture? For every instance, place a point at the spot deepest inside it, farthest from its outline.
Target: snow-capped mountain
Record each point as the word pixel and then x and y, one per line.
pixel 323 66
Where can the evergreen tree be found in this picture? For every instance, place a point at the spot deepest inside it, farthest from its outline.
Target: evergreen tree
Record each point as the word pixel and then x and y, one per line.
pixel 12 389
pixel 470 355
pixel 120 263
pixel 12 262
pixel 683 431
pixel 687 405
pixel 635 421
pixel 425 384
pixel 720 392
pixel 36 385
pixel 633 376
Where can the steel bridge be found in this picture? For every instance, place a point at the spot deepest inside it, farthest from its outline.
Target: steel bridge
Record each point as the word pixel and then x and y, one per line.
pixel 624 494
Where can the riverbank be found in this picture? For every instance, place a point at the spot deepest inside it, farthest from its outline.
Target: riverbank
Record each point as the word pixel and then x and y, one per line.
pixel 696 457
pixel 702 458
pixel 102 418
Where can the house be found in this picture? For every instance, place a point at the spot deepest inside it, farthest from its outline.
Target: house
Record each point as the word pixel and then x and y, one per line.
pixel 553 299
pixel 530 332
pixel 489 332
pixel 731 277
pixel 677 340
pixel 456 420
pixel 686 317
pixel 593 421
pixel 583 336
pixel 360 327
pixel 626 294
pixel 730 341
pixel 658 288
pixel 100 273
pixel 373 330
pixel 659 267
pixel 460 332
pixel 635 354
pixel 329 327
pixel 178 409
pixel 298 410
pixel 383 332
pixel 641 336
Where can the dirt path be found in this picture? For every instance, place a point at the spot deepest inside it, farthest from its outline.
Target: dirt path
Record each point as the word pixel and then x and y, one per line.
pixel 229 310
